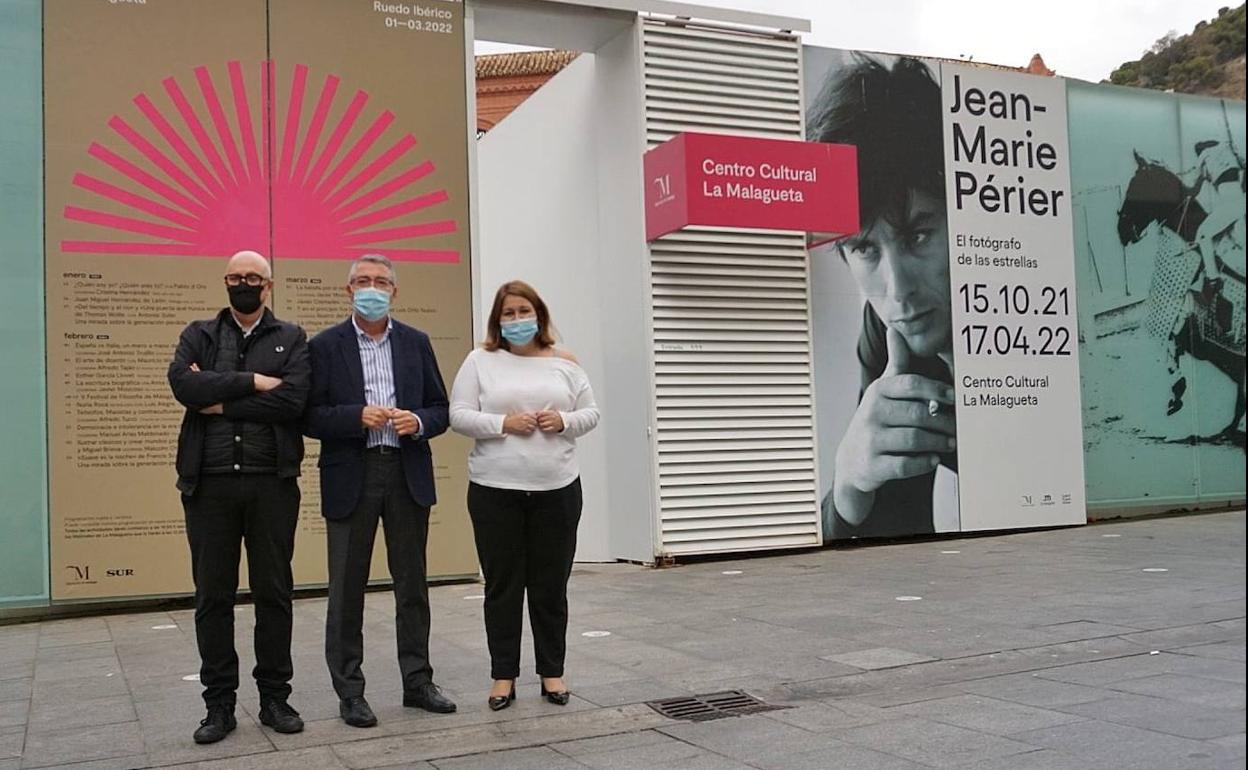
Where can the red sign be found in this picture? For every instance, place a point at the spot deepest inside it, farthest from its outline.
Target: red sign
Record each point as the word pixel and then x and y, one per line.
pixel 737 181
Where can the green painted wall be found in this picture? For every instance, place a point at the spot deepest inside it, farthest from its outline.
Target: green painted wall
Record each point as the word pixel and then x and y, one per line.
pixel 23 457
pixel 1159 392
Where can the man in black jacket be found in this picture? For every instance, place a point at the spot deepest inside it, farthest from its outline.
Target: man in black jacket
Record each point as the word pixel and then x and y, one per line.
pixel 243 377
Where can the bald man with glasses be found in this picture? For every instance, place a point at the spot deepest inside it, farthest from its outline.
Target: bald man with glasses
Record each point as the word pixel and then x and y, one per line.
pixel 243 377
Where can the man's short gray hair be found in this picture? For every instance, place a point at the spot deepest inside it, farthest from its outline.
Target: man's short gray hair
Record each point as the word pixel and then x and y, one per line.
pixel 376 259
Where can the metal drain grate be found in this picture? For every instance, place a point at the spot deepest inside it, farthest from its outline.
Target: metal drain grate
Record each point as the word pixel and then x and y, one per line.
pixel 716 705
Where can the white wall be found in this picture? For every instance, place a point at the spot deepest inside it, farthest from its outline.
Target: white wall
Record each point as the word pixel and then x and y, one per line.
pixel 542 173
pixel 624 295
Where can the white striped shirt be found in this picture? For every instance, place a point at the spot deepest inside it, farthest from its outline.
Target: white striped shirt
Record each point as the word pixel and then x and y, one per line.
pixel 378 381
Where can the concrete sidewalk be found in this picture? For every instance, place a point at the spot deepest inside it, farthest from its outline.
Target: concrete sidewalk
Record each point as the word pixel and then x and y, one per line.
pixel 1110 646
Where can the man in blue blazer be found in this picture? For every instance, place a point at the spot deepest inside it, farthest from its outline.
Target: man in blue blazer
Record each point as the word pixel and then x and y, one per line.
pixel 377 398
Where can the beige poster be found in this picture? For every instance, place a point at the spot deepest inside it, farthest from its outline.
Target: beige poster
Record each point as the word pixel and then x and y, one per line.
pixel 370 156
pixel 161 160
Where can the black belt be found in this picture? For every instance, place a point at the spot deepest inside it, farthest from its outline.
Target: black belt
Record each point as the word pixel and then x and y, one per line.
pixel 382 449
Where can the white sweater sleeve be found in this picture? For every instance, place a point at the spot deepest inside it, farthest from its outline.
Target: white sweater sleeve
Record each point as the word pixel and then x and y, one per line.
pixel 584 415
pixel 466 415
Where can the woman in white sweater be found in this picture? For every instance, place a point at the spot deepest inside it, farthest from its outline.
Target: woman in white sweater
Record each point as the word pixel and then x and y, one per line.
pixel 525 402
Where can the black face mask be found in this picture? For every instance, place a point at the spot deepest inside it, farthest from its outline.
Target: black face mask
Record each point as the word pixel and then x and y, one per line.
pixel 245 299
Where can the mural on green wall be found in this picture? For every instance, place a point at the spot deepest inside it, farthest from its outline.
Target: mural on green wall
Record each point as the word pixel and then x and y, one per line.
pixel 1158 184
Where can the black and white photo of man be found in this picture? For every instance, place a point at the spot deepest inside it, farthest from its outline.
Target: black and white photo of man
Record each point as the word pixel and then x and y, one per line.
pixel 903 428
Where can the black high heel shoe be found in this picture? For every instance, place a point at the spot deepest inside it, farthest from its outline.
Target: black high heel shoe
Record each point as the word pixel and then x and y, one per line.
pixel 558 698
pixel 500 702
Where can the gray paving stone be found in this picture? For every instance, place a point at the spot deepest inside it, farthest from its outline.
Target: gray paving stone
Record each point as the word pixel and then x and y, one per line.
pixel 71 652
pixel 1213 693
pixel 1164 716
pixel 15 689
pixel 1232 743
pixel 538 758
pixel 843 756
pixel 132 762
pixel 931 743
pixel 1219 650
pixel 705 761
pixel 88 712
pixel 1040 759
pixel 1097 744
pixel 831 715
pixel 745 738
pixel 14 668
pixel 395 750
pixel 668 752
pixel 67 637
pixel 944 673
pixel 560 727
pixel 1034 690
pixel 879 657
pixel 1181 636
pixel 11 744
pixel 71 690
pixel 55 671
pixel 1086 629
pixel 1235 624
pixel 901 696
pixel 14 713
pixel 610 743
pixel 987 715
pixel 497 736
pixel 780 667
pixel 1050 759
pixel 632 691
pixel 60 747
pixel 14 654
pixel 1105 672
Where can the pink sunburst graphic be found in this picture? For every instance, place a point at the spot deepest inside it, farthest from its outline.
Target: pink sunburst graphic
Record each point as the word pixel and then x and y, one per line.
pixel 207 190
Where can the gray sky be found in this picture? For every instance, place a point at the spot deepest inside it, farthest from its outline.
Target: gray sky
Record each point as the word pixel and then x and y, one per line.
pixel 1084 39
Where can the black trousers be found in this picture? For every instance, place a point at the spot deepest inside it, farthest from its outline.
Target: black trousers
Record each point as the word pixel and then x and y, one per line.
pixel 406 525
pixel 262 511
pixel 526 542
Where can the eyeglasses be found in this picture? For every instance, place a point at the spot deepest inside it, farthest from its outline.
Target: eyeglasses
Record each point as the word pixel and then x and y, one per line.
pixel 251 279
pixel 364 282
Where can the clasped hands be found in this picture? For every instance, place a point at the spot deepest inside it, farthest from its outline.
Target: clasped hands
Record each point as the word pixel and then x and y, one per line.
pixel 405 423
pixel 524 423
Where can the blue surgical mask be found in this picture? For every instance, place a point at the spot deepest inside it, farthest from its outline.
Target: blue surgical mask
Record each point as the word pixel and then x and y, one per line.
pixel 519 332
pixel 372 304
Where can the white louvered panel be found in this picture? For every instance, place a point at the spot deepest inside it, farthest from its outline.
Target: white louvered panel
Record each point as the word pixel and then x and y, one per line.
pixel 734 427
pixel 720 81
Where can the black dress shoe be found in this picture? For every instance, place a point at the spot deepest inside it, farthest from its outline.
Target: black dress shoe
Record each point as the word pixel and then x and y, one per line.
pixel 279 715
pixel 500 702
pixel 560 698
pixel 427 696
pixel 355 712
pixel 218 724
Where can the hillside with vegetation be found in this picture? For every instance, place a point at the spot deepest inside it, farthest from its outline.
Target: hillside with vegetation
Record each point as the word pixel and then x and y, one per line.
pixel 1209 61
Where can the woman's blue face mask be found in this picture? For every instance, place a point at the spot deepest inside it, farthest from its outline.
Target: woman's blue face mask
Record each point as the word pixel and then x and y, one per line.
pixel 519 332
